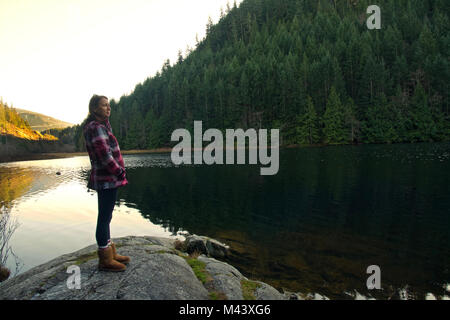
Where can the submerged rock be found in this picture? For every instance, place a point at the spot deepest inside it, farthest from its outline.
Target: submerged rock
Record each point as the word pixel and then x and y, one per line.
pixel 4 273
pixel 157 271
pixel 207 246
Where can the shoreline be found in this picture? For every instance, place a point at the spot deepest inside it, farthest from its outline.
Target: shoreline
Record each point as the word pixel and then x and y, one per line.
pixel 62 155
pixel 160 267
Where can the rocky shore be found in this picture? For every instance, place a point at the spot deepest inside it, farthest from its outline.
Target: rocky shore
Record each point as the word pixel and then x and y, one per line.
pixel 161 269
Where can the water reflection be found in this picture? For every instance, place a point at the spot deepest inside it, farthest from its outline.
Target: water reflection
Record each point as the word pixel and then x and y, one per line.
pixel 8 226
pixel 30 178
pixel 322 220
pixel 316 226
pixel 14 184
pixel 57 213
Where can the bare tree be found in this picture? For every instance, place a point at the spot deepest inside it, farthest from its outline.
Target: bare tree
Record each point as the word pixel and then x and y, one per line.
pixel 7 228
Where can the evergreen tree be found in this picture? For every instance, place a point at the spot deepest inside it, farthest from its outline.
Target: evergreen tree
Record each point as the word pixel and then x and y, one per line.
pixel 2 114
pixel 352 124
pixel 333 120
pixel 379 127
pixel 422 125
pixel 308 127
pixel 258 65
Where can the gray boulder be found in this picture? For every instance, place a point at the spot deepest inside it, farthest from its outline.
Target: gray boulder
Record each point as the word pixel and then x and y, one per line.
pixel 157 271
pixel 207 246
pixel 225 278
pixel 195 244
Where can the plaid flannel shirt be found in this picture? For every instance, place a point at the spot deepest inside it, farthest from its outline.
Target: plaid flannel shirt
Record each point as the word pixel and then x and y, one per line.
pixel 108 168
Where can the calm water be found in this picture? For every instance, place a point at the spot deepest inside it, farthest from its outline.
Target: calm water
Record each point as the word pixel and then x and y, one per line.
pixel 314 227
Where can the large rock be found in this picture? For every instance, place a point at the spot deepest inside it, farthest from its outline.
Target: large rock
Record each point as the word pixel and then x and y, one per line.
pixel 207 246
pixel 225 278
pixel 195 243
pixel 266 292
pixel 157 271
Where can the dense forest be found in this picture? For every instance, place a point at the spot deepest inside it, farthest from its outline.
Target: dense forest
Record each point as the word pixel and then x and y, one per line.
pixel 65 135
pixel 311 68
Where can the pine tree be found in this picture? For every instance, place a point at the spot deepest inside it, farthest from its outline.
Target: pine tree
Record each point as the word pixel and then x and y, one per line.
pixel 423 127
pixel 379 126
pixel 333 120
pixel 135 132
pixel 2 114
pixel 352 124
pixel 307 125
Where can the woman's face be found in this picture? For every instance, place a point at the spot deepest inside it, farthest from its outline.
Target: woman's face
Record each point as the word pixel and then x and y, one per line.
pixel 104 109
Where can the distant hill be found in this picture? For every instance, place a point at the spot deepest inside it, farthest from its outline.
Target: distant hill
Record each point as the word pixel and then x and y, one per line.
pixel 12 124
pixel 41 122
pixel 18 141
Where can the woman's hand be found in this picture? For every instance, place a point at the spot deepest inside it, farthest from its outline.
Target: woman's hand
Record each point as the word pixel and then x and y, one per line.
pixel 122 174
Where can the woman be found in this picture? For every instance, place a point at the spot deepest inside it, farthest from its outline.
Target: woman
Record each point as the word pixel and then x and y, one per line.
pixel 107 174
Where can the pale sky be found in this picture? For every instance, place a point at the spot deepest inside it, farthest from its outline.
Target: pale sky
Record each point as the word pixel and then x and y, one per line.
pixel 55 54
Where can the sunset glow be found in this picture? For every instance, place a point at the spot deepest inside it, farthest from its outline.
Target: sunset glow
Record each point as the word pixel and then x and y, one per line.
pixel 56 54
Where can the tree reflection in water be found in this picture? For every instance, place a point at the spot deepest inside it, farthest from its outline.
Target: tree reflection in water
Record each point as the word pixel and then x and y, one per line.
pixel 8 225
pixel 14 185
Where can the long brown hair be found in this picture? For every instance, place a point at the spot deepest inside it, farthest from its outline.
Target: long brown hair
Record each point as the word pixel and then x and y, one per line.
pixel 93 105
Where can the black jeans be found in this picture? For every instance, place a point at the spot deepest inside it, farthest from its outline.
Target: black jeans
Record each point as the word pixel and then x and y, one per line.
pixel 106 203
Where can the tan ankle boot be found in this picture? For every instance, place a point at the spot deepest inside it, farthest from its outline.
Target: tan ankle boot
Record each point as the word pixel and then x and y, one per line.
pixel 118 257
pixel 106 261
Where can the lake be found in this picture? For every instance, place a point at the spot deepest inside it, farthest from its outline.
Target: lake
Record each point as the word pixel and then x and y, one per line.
pixel 315 227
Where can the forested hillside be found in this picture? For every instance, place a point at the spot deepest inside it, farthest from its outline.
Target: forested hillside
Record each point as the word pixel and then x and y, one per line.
pixel 18 141
pixel 11 123
pixel 311 68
